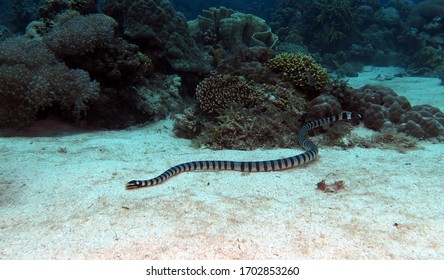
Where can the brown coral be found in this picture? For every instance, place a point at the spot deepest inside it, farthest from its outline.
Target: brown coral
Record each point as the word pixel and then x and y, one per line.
pixel 219 92
pixel 248 115
pixel 382 108
pixel 323 106
pixel 247 129
pixel 379 106
pixel 302 70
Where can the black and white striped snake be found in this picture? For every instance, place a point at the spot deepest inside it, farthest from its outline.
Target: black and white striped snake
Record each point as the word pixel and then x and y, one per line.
pixel 250 166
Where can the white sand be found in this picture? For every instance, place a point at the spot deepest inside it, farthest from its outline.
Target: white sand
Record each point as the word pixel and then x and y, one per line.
pixel 73 205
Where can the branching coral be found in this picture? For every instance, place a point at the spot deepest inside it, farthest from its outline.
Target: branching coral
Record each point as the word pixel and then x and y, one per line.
pixel 32 80
pixel 331 21
pixel 247 115
pixel 161 30
pixel 247 129
pixel 336 16
pixel 89 43
pixel 302 70
pixel 81 34
pixel 219 92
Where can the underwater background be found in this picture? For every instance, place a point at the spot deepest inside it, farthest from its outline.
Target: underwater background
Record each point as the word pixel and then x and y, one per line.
pixel 95 93
pixel 215 61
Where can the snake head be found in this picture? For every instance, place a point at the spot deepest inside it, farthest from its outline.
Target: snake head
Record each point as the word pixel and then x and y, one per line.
pixel 134 184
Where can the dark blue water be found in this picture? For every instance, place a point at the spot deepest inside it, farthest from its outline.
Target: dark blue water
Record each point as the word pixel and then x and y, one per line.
pixel 15 14
pixel 262 8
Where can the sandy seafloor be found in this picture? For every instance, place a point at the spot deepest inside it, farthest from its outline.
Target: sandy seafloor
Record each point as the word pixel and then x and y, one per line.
pixel 63 197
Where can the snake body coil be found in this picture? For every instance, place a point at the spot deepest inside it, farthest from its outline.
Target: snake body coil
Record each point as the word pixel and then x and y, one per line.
pixel 250 166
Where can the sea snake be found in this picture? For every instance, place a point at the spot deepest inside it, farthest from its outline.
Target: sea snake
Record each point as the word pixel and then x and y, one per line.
pixel 250 166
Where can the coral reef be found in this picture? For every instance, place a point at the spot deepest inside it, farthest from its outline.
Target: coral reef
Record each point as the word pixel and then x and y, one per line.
pixel 425 13
pixel 423 121
pixel 4 32
pixel 302 70
pixel 388 17
pixel 248 101
pixel 24 11
pixel 218 92
pixel 32 81
pixel 145 102
pixel 287 17
pixel 338 135
pixel 332 21
pixel 88 48
pixel 428 60
pixel 382 108
pixel 80 35
pixel 144 61
pixel 238 113
pixel 364 32
pixel 234 29
pixel 404 7
pixel 155 25
pixel 247 129
pixel 379 105
pixel 322 106
pixel 88 42
pixel 193 8
pixel 424 38
pixel 52 8
pixel 373 4
pixel 251 64
pixel 162 95
pixel 187 124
